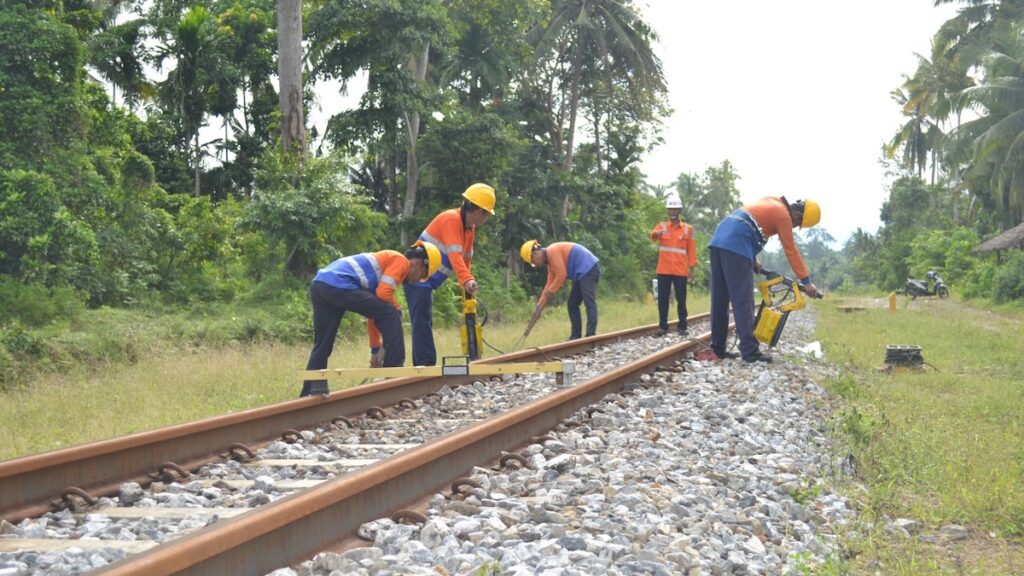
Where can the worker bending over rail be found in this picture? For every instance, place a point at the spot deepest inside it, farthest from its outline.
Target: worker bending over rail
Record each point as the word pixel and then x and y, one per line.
pixel 567 260
pixel 737 241
pixel 365 284
pixel 677 253
pixel 452 231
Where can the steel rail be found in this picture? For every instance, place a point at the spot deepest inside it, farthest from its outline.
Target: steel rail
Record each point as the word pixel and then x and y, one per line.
pixel 28 484
pixel 295 527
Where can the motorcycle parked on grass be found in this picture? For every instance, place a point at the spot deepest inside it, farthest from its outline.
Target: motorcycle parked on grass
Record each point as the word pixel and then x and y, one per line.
pixel 917 288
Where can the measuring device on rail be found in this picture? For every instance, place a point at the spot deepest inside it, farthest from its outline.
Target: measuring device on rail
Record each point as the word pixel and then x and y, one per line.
pixel 450 366
pixel 780 295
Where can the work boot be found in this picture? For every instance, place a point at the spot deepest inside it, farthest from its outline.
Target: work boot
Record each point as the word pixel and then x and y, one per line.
pixel 757 357
pixel 726 355
pixel 683 332
pixel 661 332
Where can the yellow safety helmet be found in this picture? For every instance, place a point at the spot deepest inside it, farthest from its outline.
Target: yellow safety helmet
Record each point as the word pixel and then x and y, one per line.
pixel 812 214
pixel 433 257
pixel 482 195
pixel 526 251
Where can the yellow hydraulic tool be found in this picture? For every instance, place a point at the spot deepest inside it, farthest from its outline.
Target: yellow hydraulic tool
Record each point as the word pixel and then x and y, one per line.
pixel 472 333
pixel 773 312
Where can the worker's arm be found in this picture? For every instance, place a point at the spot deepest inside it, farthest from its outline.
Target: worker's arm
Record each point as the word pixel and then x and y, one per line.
pixel 796 262
pixel 453 236
pixel 691 248
pixel 394 268
pixel 557 273
pixel 660 230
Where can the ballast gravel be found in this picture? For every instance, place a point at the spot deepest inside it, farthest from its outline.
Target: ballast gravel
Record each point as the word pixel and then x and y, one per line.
pixel 717 468
pixel 216 485
pixel 708 468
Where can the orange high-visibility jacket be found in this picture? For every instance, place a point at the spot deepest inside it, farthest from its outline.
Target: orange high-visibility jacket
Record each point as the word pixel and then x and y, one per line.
pixel 677 248
pixel 565 260
pixel 772 215
pixel 455 241
pixel 394 267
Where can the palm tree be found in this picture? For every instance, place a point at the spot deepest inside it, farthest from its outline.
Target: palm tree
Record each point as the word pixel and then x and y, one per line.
pixel 479 65
pixel 997 135
pixel 190 87
pixel 913 135
pixel 607 35
pixel 118 53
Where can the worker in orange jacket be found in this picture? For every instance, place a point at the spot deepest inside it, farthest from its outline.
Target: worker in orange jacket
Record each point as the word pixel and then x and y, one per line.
pixel 452 231
pixel 365 284
pixel 734 247
pixel 573 261
pixel 677 252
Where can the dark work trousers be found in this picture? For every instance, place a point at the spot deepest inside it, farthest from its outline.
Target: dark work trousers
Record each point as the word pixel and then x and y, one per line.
pixel 329 306
pixel 420 298
pixel 665 283
pixel 732 280
pixel 584 290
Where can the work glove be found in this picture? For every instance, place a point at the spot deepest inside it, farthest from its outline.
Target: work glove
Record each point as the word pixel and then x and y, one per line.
pixel 376 357
pixel 812 291
pixel 471 287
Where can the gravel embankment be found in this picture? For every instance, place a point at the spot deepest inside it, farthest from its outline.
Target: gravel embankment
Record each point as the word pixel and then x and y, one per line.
pixel 714 469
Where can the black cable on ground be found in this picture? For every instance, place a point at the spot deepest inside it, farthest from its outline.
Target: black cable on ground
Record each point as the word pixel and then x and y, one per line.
pixel 483 322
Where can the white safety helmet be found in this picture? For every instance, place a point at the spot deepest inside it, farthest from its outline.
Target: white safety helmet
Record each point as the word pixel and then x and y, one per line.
pixel 673 202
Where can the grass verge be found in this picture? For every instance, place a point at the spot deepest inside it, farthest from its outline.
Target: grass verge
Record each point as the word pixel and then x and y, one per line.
pixel 81 403
pixel 940 446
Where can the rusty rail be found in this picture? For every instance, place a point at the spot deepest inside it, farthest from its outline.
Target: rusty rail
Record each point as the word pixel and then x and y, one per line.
pixel 29 483
pixel 297 526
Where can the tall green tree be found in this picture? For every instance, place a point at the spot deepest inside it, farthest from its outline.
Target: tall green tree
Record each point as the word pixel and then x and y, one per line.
pixel 604 35
pixel 997 135
pixel 192 87
pixel 392 41
pixel 119 53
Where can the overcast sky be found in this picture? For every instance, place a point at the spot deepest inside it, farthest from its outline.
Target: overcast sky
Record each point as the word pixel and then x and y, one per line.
pixel 795 94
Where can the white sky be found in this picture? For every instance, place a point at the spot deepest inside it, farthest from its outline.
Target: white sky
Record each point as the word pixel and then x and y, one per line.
pixel 795 94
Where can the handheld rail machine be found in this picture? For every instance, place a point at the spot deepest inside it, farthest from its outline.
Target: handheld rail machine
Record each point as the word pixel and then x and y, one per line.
pixel 471 331
pixel 780 295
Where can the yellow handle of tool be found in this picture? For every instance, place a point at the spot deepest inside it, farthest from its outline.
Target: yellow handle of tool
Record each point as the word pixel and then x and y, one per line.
pixel 766 294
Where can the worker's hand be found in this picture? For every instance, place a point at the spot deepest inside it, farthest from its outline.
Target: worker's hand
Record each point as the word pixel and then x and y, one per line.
pixel 471 287
pixel 377 358
pixel 812 291
pixel 757 267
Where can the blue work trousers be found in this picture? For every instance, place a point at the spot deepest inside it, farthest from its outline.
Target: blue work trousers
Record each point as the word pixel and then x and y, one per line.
pixel 420 298
pixel 732 280
pixel 584 291
pixel 666 282
pixel 329 307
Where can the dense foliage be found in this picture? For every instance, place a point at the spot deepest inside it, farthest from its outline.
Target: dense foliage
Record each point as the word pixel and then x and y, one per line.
pixel 141 161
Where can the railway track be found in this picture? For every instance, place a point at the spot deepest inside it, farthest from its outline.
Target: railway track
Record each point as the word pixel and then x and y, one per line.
pixel 356 472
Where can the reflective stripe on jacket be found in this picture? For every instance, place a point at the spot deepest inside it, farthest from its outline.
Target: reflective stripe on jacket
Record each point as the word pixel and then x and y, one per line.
pixel 379 272
pixel 677 248
pixel 455 241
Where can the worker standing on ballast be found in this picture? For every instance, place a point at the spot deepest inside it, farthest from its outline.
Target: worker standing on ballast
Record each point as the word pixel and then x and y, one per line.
pixel 573 261
pixel 677 253
pixel 737 241
pixel 452 231
pixel 365 284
